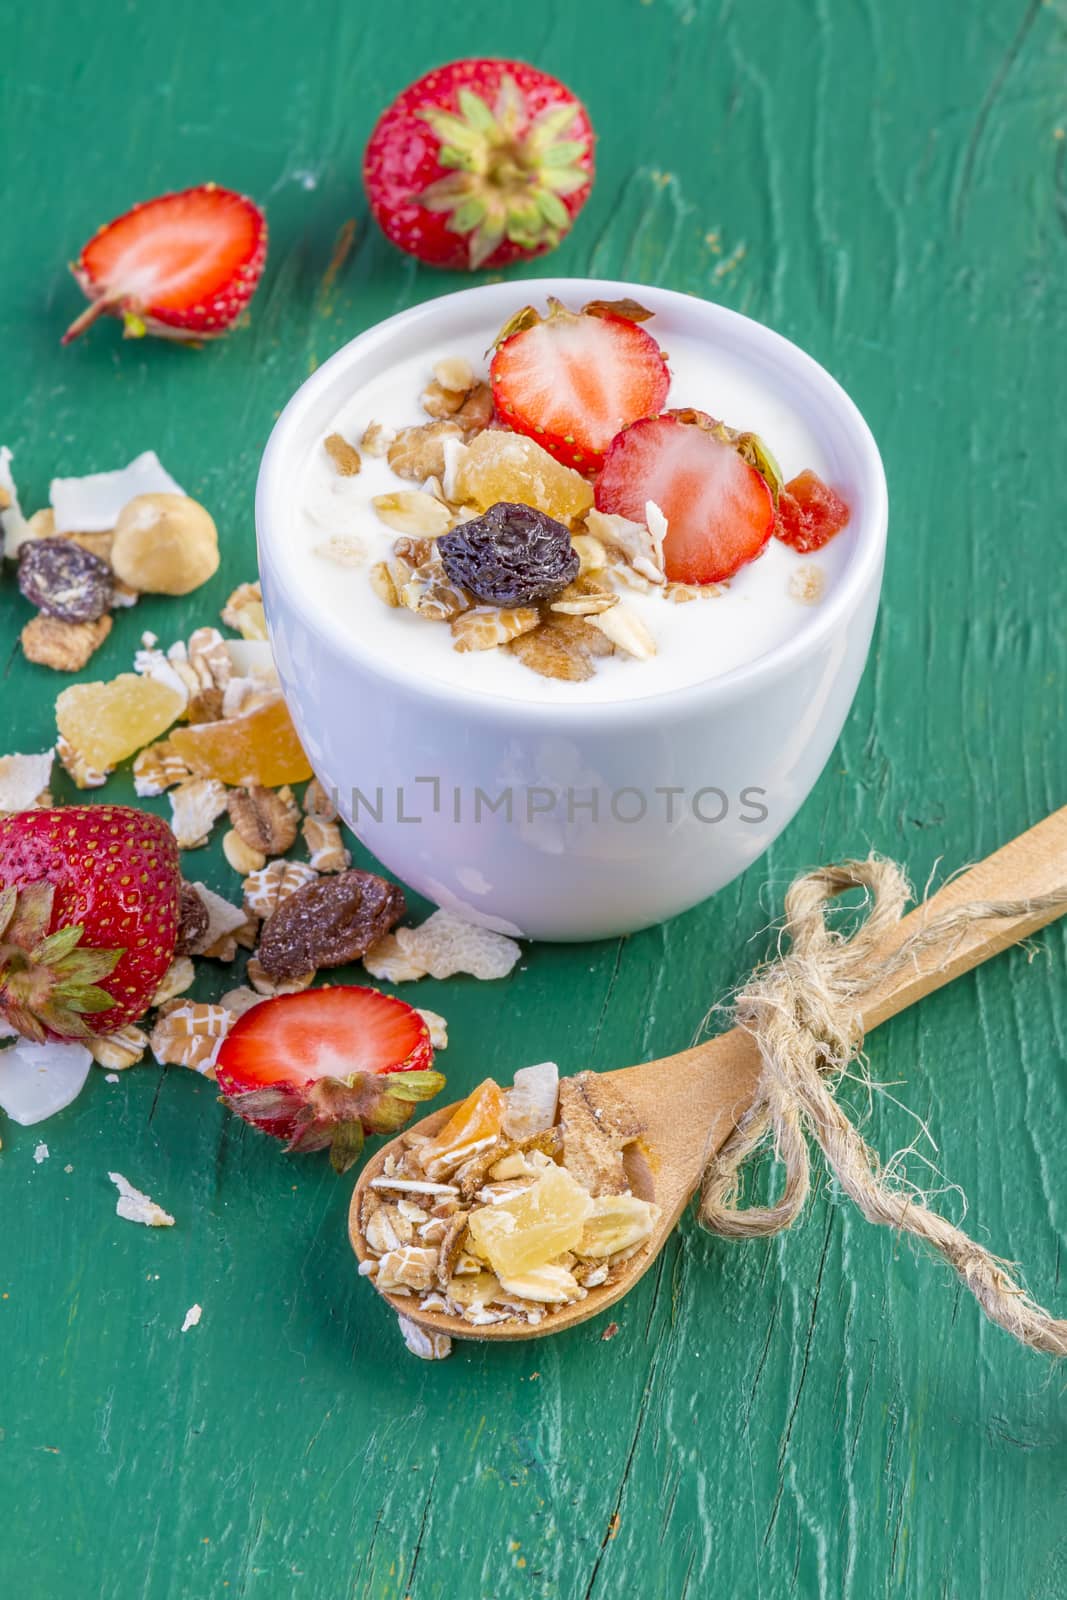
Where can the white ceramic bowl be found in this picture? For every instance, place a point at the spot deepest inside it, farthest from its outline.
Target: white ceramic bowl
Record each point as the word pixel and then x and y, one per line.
pixel 740 751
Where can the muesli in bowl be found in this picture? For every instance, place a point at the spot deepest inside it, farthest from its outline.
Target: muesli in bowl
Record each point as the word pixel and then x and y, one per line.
pixel 551 508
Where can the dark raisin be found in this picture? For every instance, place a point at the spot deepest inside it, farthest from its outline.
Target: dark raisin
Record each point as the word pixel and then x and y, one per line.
pixel 328 923
pixel 511 556
pixel 192 921
pixel 63 580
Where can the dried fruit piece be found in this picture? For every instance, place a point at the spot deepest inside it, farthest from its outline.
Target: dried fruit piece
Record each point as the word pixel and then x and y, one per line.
pixel 487 626
pixel 530 1229
pixel 164 544
pixel 106 722
pixel 63 580
pixel 273 884
pixel 244 611
pixel 345 457
pixel 196 806
pixel 809 513
pixel 63 646
pixel 74 764
pixel 190 1033
pixel 411 511
pixel 548 1284
pixel 266 819
pixel 530 1103
pixel 444 944
pixel 325 847
pixel 616 1222
pixel 477 1118
pixel 573 379
pixel 511 556
pixel 319 1069
pixel 329 922
pixel 419 453
pixel 259 747
pixel 506 466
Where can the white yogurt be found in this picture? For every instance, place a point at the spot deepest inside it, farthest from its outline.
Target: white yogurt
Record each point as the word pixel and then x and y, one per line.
pixel 697 640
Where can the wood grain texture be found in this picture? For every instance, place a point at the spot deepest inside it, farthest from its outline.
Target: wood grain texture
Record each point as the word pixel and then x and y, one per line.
pixel 820 1415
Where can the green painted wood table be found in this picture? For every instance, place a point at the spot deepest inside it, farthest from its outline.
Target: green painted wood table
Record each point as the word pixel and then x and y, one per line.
pixel 822 1414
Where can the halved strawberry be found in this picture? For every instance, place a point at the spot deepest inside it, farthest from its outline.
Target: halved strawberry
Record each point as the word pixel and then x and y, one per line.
pixel 719 508
pixel 571 380
pixel 809 513
pixel 321 1068
pixel 183 266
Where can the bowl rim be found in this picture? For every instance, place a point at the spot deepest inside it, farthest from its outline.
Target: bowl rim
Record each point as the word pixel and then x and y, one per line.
pixel 816 627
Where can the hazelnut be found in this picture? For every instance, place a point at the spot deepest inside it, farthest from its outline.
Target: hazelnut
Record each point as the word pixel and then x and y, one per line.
pixel 164 544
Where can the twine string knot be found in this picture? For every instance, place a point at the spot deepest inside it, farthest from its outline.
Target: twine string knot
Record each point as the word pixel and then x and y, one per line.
pixel 804 1010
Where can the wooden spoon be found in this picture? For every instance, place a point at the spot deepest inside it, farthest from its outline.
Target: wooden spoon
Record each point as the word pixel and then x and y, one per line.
pixel 689 1103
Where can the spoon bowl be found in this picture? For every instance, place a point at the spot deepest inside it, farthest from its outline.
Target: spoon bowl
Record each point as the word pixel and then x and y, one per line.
pixel 688 1104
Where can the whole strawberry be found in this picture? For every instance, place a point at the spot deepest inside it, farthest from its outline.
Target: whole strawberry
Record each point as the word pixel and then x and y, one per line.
pixel 321 1068
pixel 88 918
pixel 480 163
pixel 182 266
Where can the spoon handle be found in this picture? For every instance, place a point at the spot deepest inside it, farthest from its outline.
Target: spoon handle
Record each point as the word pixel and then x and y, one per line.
pixel 1031 868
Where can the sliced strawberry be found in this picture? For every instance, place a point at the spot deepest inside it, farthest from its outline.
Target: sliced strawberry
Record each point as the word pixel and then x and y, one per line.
pixel 571 380
pixel 321 1068
pixel 809 513
pixel 719 509
pixel 183 266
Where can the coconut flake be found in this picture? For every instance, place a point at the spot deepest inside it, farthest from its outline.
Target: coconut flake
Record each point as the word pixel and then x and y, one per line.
pixel 22 779
pixel 12 522
pixel 192 1318
pixel 37 1080
pixel 92 504
pixel 41 1153
pixel 134 1206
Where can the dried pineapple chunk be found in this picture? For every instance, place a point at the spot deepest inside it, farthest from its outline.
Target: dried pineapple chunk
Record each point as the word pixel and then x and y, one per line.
pixel 534 1227
pixel 616 1222
pixel 106 722
pixel 507 466
pixel 258 748
pixel 551 1284
pixel 478 1117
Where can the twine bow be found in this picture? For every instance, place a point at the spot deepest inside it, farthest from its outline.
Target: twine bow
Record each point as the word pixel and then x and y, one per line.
pixel 804 1011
